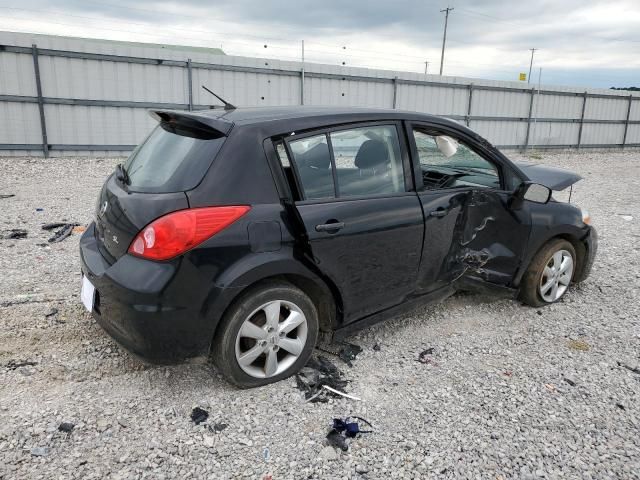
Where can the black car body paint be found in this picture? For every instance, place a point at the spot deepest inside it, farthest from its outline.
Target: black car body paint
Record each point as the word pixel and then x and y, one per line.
pixel 391 253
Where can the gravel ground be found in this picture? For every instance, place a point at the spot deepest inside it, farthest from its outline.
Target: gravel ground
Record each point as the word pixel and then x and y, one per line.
pixel 510 391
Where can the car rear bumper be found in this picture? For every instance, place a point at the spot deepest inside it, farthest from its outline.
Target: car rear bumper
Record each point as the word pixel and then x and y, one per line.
pixel 591 247
pixel 157 310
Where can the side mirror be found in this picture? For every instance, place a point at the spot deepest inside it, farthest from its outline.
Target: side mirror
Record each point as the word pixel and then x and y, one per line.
pixel 533 192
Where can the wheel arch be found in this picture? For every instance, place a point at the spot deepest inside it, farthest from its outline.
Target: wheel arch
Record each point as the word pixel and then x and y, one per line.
pixel 574 238
pixel 322 292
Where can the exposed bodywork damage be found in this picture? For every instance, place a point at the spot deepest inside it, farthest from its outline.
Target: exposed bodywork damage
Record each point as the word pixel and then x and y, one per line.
pixel 487 239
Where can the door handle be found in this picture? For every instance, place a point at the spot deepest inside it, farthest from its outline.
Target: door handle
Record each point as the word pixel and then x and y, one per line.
pixel 438 213
pixel 331 227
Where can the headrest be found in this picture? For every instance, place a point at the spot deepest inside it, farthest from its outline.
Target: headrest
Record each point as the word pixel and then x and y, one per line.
pixel 317 157
pixel 372 154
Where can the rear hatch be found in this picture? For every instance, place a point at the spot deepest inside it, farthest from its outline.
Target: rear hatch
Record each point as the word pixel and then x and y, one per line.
pixel 152 182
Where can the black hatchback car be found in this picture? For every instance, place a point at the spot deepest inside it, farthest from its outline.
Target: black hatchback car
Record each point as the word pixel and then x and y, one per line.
pixel 245 235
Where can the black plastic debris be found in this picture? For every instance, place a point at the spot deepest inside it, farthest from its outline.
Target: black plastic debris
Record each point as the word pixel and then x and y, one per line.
pixel 62 230
pixel 218 427
pixel 14 234
pixel 425 355
pixel 620 406
pixel 198 415
pixel 315 374
pixel 6 195
pixel 346 429
pixel 349 352
pixel 66 427
pixel 13 364
pixel 376 347
pixel 569 381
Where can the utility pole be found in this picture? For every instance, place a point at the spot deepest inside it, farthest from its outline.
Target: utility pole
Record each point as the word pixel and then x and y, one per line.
pixel 444 37
pixel 531 64
pixel 426 67
pixel 302 77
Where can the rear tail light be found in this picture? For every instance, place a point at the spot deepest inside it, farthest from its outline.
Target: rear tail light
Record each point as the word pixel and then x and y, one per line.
pixel 177 232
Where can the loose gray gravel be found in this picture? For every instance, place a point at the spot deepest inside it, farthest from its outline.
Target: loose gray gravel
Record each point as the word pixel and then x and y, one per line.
pixel 510 391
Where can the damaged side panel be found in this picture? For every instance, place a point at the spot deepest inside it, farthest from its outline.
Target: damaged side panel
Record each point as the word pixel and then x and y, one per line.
pixel 472 234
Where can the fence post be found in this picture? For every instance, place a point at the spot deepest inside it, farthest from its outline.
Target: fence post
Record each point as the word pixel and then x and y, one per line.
pixel 626 122
pixel 584 105
pixel 395 91
pixel 43 124
pixel 526 138
pixel 468 119
pixel 190 82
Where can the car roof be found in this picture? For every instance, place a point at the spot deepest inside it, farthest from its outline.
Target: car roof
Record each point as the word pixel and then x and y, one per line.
pixel 296 117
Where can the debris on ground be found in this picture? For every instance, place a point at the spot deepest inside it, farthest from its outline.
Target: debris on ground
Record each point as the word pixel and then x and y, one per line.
pixel 51 312
pixel 317 373
pixel 620 406
pixel 346 429
pixel 14 364
pixel 14 234
pixel 79 229
pixel 349 352
pixel 569 381
pixel 199 415
pixel 62 230
pixel 66 427
pixel 338 392
pixel 343 350
pixel 630 368
pixel 376 347
pixel 40 451
pixel 6 195
pixel 579 345
pixel 426 356
pixel 218 427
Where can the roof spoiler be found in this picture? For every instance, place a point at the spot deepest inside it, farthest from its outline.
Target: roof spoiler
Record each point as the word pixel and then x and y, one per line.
pixel 194 120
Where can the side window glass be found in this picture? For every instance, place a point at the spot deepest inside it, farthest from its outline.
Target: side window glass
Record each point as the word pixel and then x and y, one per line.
pixel 447 163
pixel 313 161
pixel 368 161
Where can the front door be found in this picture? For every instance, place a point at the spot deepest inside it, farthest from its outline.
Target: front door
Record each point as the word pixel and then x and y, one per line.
pixel 470 231
pixel 363 226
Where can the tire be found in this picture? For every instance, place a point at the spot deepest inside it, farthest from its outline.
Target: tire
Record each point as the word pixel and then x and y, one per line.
pixel 532 286
pixel 289 351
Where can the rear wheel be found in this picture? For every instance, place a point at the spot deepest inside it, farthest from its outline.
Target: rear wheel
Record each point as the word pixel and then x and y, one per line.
pixel 267 335
pixel 549 275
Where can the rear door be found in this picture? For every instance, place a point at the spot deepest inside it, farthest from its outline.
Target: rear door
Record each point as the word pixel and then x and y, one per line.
pixel 363 223
pixel 470 231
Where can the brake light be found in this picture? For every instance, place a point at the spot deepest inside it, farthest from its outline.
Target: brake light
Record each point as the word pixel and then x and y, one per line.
pixel 177 232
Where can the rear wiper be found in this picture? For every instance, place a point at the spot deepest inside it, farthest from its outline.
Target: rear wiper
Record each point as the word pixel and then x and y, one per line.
pixel 121 174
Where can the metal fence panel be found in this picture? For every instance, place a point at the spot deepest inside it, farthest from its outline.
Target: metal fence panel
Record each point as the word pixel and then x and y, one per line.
pixel 433 100
pixel 95 95
pixel 607 108
pixel 552 133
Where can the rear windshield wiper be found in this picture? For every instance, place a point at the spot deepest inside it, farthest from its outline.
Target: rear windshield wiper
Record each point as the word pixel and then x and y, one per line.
pixel 121 174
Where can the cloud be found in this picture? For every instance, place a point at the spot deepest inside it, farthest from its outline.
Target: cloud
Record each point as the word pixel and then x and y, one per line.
pixel 597 40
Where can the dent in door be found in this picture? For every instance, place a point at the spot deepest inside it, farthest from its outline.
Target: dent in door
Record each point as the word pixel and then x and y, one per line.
pixel 475 250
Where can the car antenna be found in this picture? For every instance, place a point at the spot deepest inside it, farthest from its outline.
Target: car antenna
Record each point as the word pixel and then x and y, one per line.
pixel 227 105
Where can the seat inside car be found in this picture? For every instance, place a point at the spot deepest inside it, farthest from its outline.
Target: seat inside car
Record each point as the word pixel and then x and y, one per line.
pixel 372 170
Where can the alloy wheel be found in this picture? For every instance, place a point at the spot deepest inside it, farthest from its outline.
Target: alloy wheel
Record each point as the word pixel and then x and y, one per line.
pixel 271 339
pixel 556 276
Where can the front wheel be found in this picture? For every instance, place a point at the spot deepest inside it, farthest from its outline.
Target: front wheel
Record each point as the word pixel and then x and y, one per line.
pixel 267 335
pixel 549 275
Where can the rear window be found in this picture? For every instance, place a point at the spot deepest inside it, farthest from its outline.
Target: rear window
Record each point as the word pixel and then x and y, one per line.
pixel 172 159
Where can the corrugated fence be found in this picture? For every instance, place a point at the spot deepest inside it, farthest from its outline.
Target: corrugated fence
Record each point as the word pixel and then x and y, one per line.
pixel 72 96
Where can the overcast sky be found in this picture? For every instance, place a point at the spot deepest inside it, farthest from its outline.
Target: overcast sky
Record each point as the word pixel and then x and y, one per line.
pixel 581 42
